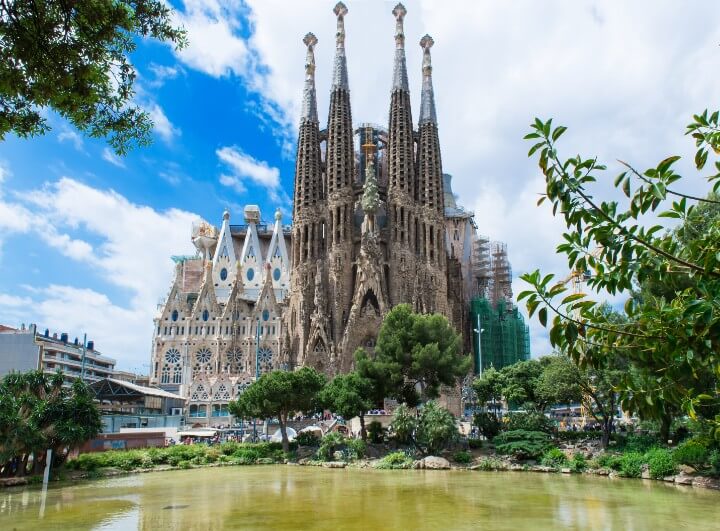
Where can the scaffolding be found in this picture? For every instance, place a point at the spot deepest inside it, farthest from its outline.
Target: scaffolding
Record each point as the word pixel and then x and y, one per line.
pixel 504 336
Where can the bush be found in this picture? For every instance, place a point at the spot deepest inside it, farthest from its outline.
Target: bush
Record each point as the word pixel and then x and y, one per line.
pixel 436 428
pixel 554 458
pixel 530 421
pixel 474 443
pixel 356 448
pixel 522 444
pixel 578 463
pixel 403 424
pixel 691 453
pixel 714 461
pixel 660 463
pixel 491 463
pixel 229 447
pixel 631 464
pixel 375 432
pixel 488 424
pixel 184 464
pixel 395 460
pixel 638 443
pixel 329 445
pixel 462 457
pixel 307 438
pixel 610 461
pixel 572 436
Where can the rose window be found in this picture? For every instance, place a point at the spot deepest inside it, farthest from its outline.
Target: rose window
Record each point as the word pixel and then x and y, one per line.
pixel 172 355
pixel 203 355
pixel 265 356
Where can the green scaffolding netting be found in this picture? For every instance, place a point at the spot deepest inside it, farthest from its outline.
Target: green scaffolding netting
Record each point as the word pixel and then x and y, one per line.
pixel 505 337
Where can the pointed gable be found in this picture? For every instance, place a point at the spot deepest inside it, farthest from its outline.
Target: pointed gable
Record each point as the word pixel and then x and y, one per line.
pixel 277 259
pixel 251 257
pixel 223 264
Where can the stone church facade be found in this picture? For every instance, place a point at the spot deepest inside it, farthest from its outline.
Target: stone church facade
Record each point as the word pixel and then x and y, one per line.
pixel 369 226
pixel 374 224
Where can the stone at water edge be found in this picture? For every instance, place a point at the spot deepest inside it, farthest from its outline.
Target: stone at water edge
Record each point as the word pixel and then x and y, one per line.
pixel 435 463
pixel 682 479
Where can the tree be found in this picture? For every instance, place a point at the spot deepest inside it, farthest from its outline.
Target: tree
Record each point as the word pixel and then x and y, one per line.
pixel 521 385
pixel 489 387
pixel 37 413
pixel 415 355
pixel 280 394
pixel 435 428
pixel 349 395
pixel 675 339
pixel 403 425
pixel 73 57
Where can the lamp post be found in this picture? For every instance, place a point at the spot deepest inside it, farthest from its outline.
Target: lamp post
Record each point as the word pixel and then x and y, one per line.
pixel 479 331
pixel 257 369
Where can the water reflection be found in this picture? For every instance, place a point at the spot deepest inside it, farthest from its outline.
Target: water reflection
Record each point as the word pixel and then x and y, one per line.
pixel 288 497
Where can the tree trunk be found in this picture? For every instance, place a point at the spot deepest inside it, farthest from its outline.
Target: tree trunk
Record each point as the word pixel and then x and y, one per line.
pixel 363 433
pixel 665 423
pixel 283 431
pixel 607 425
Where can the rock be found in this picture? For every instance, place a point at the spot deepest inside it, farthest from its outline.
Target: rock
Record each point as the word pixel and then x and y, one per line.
pixel 517 468
pixel 686 470
pixel 338 455
pixel 645 474
pixel 669 479
pixel 707 483
pixel 335 464
pixel 565 470
pixel 544 469
pixel 13 482
pixel 435 463
pixel 682 479
pixel 602 472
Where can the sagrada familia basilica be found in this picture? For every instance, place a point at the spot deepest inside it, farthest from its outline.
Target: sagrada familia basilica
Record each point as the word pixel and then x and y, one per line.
pixel 373 226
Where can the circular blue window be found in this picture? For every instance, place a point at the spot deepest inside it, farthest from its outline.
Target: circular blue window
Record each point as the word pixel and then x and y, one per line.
pixel 175 315
pixel 266 315
pixel 276 273
pixel 223 274
pixel 250 273
pixel 206 315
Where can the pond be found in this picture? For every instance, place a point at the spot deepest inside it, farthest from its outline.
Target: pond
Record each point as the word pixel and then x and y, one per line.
pixel 292 497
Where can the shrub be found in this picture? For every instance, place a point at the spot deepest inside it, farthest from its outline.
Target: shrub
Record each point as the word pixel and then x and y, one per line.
pixel 436 428
pixel 356 448
pixel 329 445
pixel 395 460
pixel 578 463
pixel 660 463
pixel 522 444
pixel 375 432
pixel 474 443
pixel 631 464
pixel 488 424
pixel 184 464
pixel 530 421
pixel 229 447
pixel 572 436
pixel 555 458
pixel 638 443
pixel 714 461
pixel 403 424
pixel 308 438
pixel 691 453
pixel 462 457
pixel 611 461
pixel 491 463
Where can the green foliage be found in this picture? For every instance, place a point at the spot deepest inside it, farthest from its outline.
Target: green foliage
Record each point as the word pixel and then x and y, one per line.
pixel 521 385
pixel 555 458
pixel 356 448
pixel 638 443
pixel 436 428
pixel 37 413
pixel 331 443
pixel 578 463
pixel 488 424
pixel 375 432
pixel 475 444
pixel 691 453
pixel 280 394
pixel 631 464
pixel 669 338
pixel 489 386
pixel 522 444
pixel 609 461
pixel 348 395
pixel 714 461
pixel 574 436
pixel 395 460
pixel 462 457
pixel 660 463
pixel 490 463
pixel 403 424
pixel 415 355
pixel 530 421
pixel 75 58
pixel 307 438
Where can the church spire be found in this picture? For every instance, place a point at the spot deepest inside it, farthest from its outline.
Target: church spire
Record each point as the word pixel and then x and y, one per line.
pixel 400 77
pixel 340 75
pixel 309 106
pixel 427 100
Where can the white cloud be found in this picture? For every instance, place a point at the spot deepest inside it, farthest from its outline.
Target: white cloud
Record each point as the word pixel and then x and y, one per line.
pixel 214 45
pixel 14 301
pixel 132 254
pixel 68 135
pixel 233 182
pixel 112 158
pixel 161 125
pixel 245 166
pixel 162 73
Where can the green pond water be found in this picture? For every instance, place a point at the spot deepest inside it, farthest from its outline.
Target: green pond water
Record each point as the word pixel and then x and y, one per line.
pixel 291 497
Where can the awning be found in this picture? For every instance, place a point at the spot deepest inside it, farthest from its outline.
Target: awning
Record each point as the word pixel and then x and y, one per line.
pixel 197 433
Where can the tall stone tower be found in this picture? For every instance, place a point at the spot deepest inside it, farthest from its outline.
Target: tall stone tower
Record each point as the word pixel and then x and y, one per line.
pixel 362 244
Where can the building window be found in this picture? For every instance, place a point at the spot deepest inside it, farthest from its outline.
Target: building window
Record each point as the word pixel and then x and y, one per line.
pixel 172 355
pixel 177 375
pixel 203 355
pixel 175 315
pixel 265 359
pixel 265 315
pixel 205 315
pixel 223 274
pixel 276 273
pixel 250 273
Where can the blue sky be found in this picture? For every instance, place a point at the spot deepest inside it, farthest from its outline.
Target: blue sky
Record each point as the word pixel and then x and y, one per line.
pixel 85 237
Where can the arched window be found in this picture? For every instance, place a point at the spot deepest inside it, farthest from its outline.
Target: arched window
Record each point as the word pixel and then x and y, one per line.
pixel 276 273
pixel 177 375
pixel 165 374
pixel 223 274
pixel 250 273
pixel 205 315
pixel 265 315
pixel 234 361
pixel 175 315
